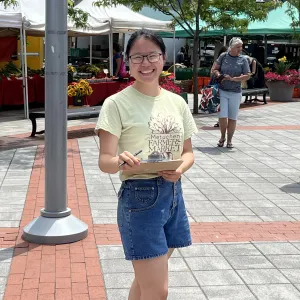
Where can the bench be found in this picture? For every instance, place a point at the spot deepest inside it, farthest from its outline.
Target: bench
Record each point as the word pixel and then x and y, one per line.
pixel 255 92
pixel 72 114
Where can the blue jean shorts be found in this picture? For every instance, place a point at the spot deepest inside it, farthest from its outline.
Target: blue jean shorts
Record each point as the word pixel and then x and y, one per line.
pixel 152 218
pixel 229 104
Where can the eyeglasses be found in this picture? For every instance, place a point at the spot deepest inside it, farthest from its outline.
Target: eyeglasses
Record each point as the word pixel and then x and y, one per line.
pixel 152 58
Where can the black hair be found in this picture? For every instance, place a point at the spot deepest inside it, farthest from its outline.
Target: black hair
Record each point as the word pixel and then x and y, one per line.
pixel 116 47
pixel 148 35
pixel 222 50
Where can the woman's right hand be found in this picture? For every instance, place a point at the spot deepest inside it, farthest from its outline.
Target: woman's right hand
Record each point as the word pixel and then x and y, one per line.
pixel 129 159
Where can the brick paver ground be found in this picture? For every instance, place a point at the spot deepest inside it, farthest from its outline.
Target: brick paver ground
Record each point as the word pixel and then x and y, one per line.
pixel 256 259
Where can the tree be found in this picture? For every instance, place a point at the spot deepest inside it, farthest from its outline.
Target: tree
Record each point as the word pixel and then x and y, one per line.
pixel 78 16
pixel 227 14
pixel 294 12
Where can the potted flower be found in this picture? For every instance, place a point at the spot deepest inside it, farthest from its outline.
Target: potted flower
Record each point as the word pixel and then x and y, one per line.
pixel 281 83
pixel 79 91
pixel 71 71
pixel 166 82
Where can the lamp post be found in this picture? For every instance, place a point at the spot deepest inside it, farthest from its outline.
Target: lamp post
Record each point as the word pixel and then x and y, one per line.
pixel 56 225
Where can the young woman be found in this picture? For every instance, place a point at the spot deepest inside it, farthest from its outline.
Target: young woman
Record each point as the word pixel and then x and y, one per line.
pixel 236 69
pixel 151 214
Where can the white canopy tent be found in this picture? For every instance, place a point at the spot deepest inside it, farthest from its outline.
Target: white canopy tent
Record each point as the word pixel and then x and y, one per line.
pixel 29 17
pixel 121 19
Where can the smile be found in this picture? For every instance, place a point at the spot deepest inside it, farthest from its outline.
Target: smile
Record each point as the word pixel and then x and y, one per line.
pixel 147 72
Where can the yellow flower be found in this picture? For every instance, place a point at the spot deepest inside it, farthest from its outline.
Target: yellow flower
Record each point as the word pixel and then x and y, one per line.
pixel 81 88
pixel 283 59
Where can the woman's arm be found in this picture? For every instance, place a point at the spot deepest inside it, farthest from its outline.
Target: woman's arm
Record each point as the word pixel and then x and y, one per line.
pixel 215 69
pixel 109 161
pixel 118 61
pixel 188 160
pixel 240 78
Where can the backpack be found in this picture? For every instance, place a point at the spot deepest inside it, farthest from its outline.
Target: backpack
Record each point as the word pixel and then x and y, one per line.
pixel 210 99
pixel 258 79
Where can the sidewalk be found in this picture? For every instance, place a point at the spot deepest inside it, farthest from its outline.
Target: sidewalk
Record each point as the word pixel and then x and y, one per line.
pixel 243 205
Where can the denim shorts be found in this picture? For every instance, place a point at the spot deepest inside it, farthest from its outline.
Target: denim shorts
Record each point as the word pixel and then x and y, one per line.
pixel 229 104
pixel 152 218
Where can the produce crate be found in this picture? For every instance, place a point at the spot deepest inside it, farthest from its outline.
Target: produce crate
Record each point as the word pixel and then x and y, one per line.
pixel 79 52
pixel 185 85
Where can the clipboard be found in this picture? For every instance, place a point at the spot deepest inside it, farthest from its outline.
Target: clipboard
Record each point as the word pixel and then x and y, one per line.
pixel 153 167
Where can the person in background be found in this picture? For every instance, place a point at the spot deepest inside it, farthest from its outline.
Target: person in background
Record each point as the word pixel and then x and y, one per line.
pixel 249 84
pixel 235 69
pixel 180 56
pixel 118 61
pixel 152 218
pixel 222 50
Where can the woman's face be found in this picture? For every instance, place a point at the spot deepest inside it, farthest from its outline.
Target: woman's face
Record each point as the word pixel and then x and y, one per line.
pixel 237 49
pixel 142 69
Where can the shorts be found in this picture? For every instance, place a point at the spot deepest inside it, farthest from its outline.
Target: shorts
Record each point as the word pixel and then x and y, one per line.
pixel 152 218
pixel 229 104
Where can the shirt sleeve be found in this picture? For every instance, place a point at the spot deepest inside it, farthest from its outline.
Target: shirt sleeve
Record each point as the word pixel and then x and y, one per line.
pixel 109 118
pixel 189 124
pixel 245 67
pixel 220 59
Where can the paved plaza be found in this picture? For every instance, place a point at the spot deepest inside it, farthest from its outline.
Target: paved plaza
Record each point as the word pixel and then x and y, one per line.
pixel 243 205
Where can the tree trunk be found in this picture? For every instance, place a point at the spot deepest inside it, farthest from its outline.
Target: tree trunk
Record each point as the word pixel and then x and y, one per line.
pixel 195 74
pixel 195 61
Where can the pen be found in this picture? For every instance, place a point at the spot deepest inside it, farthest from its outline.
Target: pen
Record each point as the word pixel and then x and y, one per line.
pixel 124 162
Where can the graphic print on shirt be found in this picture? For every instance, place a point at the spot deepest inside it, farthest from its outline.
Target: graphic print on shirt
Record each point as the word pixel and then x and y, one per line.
pixel 165 137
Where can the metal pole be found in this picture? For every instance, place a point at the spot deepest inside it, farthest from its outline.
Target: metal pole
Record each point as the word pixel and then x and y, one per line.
pixel 266 50
pixel 225 40
pixel 174 53
pixel 25 74
pixel 56 225
pixel 110 40
pixel 91 51
pixel 23 71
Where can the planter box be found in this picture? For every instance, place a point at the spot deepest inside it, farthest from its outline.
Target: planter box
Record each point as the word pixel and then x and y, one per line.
pixel 280 91
pixel 296 93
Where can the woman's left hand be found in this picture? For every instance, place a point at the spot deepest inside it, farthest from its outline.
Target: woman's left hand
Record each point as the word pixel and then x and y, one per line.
pixel 172 176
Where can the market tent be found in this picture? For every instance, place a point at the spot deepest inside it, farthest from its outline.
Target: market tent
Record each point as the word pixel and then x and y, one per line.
pixel 122 18
pixel 278 23
pixel 10 21
pixel 32 15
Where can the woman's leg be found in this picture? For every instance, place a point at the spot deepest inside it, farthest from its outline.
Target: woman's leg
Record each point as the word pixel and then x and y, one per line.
pixel 230 130
pixel 135 291
pixel 223 115
pixel 223 128
pixel 233 110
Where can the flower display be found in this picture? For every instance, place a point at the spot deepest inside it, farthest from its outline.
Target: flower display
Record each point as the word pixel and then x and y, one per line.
pixel 71 69
pixel 165 81
pixel 168 84
pixel 79 89
pixel 283 73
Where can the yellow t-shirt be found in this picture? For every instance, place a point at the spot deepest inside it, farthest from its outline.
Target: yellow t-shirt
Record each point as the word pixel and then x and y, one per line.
pixel 156 125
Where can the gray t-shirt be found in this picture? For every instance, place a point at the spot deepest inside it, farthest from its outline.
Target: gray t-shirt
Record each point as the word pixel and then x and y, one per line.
pixel 233 66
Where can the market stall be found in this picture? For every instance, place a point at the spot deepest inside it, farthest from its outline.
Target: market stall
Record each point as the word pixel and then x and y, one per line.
pixel 29 18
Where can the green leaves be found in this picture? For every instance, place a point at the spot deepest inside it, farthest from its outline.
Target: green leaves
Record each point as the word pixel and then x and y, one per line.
pixel 7 3
pixel 235 14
